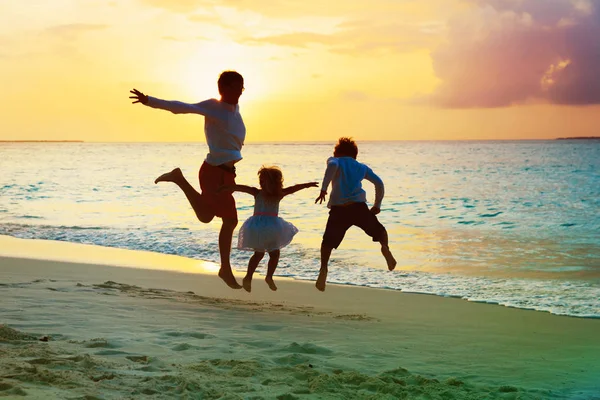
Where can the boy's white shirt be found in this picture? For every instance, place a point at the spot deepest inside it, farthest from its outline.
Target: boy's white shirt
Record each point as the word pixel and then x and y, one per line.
pixel 345 175
pixel 224 128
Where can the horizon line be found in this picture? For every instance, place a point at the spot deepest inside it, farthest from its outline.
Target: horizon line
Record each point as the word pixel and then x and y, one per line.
pixel 308 141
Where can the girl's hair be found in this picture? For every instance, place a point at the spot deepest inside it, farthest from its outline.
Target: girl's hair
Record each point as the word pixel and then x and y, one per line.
pixel 271 181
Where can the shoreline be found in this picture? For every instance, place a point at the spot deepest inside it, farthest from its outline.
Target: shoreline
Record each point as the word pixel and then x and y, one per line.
pixel 59 250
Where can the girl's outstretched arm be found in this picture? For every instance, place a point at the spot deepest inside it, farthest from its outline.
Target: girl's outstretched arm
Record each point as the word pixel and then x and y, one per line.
pixel 238 188
pixel 300 186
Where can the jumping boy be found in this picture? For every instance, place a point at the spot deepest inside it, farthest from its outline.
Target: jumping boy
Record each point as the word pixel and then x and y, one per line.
pixel 348 204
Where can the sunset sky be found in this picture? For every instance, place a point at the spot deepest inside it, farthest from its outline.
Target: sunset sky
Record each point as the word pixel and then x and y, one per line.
pixel 313 69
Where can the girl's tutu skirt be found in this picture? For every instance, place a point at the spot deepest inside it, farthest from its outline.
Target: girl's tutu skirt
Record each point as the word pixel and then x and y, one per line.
pixel 265 233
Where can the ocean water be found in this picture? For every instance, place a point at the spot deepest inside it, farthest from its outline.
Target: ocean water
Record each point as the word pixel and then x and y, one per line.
pixel 515 223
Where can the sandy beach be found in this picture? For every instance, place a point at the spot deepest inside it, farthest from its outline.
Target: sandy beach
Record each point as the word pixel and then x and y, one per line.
pixel 127 324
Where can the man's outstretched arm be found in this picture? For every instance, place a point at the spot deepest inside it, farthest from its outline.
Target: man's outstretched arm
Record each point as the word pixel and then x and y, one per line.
pixel 205 108
pixel 138 97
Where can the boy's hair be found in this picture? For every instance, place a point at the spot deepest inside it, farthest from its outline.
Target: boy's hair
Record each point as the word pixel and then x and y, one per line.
pixel 228 77
pixel 271 181
pixel 346 147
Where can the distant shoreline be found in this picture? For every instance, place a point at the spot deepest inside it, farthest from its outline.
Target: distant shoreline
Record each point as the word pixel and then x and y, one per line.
pixel 309 142
pixel 579 138
pixel 41 141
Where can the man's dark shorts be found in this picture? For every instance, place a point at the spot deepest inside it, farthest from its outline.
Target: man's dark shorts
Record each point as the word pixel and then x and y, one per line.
pixel 211 179
pixel 341 218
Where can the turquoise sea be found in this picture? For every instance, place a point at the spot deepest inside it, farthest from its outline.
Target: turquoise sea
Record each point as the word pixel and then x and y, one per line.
pixel 510 222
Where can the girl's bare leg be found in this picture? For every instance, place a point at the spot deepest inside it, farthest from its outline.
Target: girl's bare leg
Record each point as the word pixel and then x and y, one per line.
pixel 252 265
pixel 272 266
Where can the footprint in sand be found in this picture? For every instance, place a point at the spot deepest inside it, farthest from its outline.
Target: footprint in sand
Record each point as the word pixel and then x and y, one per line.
pixel 265 328
pixel 184 347
pixel 195 335
pixel 138 359
pixel 305 348
pixel 6 389
pixel 110 353
pixel 100 343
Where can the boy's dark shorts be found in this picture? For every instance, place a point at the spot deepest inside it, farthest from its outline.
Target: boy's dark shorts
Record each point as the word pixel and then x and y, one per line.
pixel 341 218
pixel 212 178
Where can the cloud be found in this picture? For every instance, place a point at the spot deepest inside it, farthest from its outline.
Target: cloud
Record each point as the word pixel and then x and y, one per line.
pixel 56 40
pixel 179 6
pixel 354 95
pixel 348 27
pixel 504 52
pixel 72 31
pixel 63 40
pixel 205 18
pixel 267 8
pixel 361 37
pixel 296 39
pixel 179 39
pixel 367 36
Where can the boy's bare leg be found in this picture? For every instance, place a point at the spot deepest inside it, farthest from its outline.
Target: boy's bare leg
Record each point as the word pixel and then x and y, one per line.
pixel 252 265
pixel 387 254
pixel 272 266
pixel 225 237
pixel 322 279
pixel 203 213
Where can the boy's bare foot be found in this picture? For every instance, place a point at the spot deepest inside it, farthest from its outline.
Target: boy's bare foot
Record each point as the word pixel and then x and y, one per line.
pixel 229 279
pixel 247 284
pixel 271 283
pixel 321 281
pixel 389 258
pixel 172 176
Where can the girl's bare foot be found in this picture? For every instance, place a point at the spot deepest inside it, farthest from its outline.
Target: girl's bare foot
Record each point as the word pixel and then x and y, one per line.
pixel 321 281
pixel 229 279
pixel 389 258
pixel 172 176
pixel 271 283
pixel 247 284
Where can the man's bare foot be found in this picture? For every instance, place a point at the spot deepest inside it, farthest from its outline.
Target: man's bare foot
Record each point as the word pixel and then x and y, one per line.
pixel 271 283
pixel 389 258
pixel 229 279
pixel 321 281
pixel 172 176
pixel 247 284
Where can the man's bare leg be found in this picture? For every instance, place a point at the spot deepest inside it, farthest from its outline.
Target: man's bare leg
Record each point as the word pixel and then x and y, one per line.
pixel 387 254
pixel 252 265
pixel 272 266
pixel 322 279
pixel 225 238
pixel 203 213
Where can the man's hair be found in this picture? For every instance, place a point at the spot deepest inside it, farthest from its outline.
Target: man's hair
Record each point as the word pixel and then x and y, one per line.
pixel 346 147
pixel 228 77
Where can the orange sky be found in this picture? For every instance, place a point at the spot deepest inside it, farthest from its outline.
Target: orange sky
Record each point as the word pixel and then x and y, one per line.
pixel 314 70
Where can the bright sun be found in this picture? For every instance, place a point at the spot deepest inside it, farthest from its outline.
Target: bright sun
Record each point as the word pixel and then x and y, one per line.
pixel 201 69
